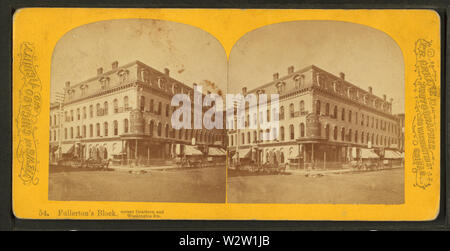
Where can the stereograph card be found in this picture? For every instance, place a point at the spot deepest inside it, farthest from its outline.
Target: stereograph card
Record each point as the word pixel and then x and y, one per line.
pixel 226 114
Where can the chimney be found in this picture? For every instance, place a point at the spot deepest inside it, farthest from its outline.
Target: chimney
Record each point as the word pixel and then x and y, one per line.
pixel 166 71
pixel 115 65
pixel 342 75
pixel 384 97
pixel 275 76
pixel 291 69
pixel 67 84
pixel 244 90
pixel 100 71
pixel 370 89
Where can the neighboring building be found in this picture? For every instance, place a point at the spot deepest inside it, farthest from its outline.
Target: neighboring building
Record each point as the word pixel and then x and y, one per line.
pixel 55 130
pixel 124 113
pixel 323 121
pixel 401 121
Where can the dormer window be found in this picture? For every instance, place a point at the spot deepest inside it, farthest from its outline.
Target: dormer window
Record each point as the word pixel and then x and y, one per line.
pixel 281 86
pixel 104 83
pixel 123 76
pixel 161 83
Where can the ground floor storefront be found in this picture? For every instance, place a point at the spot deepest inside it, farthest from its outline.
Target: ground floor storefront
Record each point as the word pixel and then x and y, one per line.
pixel 302 155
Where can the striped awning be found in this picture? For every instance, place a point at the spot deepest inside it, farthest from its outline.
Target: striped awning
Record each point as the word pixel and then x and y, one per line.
pixel 191 150
pixel 214 151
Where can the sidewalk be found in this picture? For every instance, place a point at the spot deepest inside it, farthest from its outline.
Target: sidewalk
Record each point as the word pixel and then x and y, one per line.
pixel 334 171
pixel 144 168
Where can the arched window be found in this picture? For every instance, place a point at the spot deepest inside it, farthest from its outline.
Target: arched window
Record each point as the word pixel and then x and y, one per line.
pixel 282 133
pixel 302 107
pixel 142 104
pixel 78 132
pixel 116 105
pixel 116 127
pixel 291 110
pixel 335 112
pixel 105 108
pixel 318 107
pixel 71 132
pixel 105 128
pixel 343 134
pixel 91 111
pixel 159 129
pixel 84 112
pixel 91 130
pixel 125 103
pixel 78 114
pixel 349 116
pixel 167 110
pixel 350 135
pixel 248 138
pixel 255 136
pixel 302 130
pixel 356 136
pixel 98 110
pixel 84 131
pixel 327 109
pixel 343 114
pixel 151 128
pixel 125 125
pixel 167 131
pixel 281 113
pixel 151 105
pixel 97 129
pixel 362 137
pixel 327 131
pixel 291 132
pixel 335 133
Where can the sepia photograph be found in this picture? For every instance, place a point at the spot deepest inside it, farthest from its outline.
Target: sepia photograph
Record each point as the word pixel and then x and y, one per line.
pixel 112 133
pixel 336 104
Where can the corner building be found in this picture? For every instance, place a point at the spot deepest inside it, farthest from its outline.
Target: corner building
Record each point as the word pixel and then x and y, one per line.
pixel 324 121
pixel 124 114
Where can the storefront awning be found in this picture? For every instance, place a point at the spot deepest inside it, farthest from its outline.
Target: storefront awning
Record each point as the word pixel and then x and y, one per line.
pixel 190 150
pixel 368 154
pixel 389 154
pixel 243 153
pixel 213 151
pixel 67 149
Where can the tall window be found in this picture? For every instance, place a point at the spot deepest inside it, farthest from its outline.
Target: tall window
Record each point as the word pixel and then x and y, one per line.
pixel 91 111
pixel 302 130
pixel 78 114
pixel 151 128
pixel 159 129
pixel 125 125
pixel 71 115
pixel 98 109
pixel 327 109
pixel 327 132
pixel 335 115
pixel 167 110
pixel 281 133
pixel 291 132
pixel 343 134
pixel 84 131
pixel 105 108
pixel 318 107
pixel 167 131
pixel 71 132
pixel 343 114
pixel 97 129
pixel 116 127
pixel 248 138
pixel 65 133
pixel 91 130
pixel 142 104
pixel 291 110
pixel 116 105
pixel 335 136
pixel 281 113
pixel 105 128
pixel 302 107
pixel 159 108
pixel 78 131
pixel 349 116
pixel 125 103
pixel 151 105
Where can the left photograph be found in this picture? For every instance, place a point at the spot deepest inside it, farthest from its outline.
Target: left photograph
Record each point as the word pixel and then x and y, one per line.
pixel 111 125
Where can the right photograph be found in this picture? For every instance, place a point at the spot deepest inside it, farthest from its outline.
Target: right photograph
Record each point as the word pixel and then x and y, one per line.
pixel 322 115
